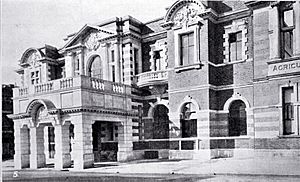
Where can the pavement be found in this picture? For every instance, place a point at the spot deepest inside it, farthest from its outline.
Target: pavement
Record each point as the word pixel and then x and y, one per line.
pixel 224 166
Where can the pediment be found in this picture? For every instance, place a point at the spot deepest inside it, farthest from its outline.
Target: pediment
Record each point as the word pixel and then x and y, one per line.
pixel 184 12
pixel 88 36
pixel 30 57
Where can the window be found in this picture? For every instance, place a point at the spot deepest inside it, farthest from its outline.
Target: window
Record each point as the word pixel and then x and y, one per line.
pixel 35 77
pixel 51 142
pixel 188 125
pixel 113 74
pixel 95 69
pixel 286 28
pixel 76 66
pixel 235 46
pixel 237 122
pixel 112 56
pixel 158 61
pixel 136 61
pixel 186 49
pixel 288 111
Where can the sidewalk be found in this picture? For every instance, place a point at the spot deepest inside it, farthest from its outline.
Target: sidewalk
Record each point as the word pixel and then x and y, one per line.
pixel 228 166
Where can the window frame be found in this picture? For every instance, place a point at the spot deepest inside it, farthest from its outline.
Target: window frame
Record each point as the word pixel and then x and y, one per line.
pixel 235 43
pixel 195 63
pixel 286 29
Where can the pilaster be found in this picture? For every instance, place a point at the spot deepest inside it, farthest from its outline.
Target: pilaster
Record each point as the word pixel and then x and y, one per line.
pixel 125 145
pixel 21 157
pixel 297 28
pixel 274 36
pixel 83 146
pixel 117 62
pixel 69 65
pixel 37 155
pixel 62 146
pixel 128 64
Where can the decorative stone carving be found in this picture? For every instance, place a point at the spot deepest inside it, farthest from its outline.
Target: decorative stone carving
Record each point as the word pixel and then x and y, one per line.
pixel 32 59
pixel 186 15
pixel 92 42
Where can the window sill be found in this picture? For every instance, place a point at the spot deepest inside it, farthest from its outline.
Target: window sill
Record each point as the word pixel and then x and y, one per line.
pixel 281 60
pixel 289 136
pixel 189 67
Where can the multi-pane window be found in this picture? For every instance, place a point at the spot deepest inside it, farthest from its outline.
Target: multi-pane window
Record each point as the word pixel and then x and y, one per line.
pixel 235 46
pixel 187 49
pixel 158 61
pixel 237 120
pixel 95 69
pixel 288 111
pixel 51 142
pixel 188 125
pixel 35 77
pixel 286 28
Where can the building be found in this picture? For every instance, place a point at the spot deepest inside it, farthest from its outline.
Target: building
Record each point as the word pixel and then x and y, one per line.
pixel 7 123
pixel 209 79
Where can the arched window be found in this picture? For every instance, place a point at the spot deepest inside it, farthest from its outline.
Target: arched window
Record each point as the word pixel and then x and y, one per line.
pixel 161 122
pixel 188 125
pixel 95 69
pixel 237 118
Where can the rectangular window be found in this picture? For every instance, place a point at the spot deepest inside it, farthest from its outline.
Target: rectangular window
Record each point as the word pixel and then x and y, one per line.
pixel 287 27
pixel 113 73
pixel 158 61
pixel 187 49
pixel 35 77
pixel 136 61
pixel 51 142
pixel 235 46
pixel 288 111
pixel 189 128
pixel 112 56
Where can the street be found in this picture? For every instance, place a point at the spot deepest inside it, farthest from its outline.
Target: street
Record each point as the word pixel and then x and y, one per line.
pixel 52 175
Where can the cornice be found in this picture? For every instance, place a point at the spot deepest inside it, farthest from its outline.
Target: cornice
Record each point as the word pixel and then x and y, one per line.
pixel 97 110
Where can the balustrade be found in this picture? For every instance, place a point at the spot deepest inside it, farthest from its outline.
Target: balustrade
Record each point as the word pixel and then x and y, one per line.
pixel 152 76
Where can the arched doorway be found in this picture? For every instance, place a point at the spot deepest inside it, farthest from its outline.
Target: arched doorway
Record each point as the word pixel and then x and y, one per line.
pixel 161 122
pixel 95 68
pixel 237 119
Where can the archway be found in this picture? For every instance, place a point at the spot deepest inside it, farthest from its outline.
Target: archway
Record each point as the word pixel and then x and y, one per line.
pixel 95 67
pixel 237 118
pixel 187 121
pixel 160 122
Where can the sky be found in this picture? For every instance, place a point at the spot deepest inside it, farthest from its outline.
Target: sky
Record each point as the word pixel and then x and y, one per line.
pixel 34 23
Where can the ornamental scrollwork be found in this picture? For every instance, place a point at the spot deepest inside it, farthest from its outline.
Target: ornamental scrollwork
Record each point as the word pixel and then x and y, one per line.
pixel 92 42
pixel 33 59
pixel 185 15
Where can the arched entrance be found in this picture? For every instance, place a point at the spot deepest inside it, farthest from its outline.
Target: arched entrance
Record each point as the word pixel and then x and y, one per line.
pixel 237 119
pixel 95 69
pixel 160 122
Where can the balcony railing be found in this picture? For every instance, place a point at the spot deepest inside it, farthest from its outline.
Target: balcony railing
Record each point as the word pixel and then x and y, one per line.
pixel 73 82
pixel 152 78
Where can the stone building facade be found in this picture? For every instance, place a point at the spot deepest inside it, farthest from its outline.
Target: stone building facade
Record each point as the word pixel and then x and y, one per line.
pixel 209 79
pixel 7 123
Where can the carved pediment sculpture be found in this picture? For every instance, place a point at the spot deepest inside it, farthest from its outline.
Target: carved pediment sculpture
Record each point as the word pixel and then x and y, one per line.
pixel 32 59
pixel 185 15
pixel 92 41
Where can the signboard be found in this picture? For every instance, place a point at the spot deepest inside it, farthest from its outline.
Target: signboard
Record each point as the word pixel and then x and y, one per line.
pixel 284 68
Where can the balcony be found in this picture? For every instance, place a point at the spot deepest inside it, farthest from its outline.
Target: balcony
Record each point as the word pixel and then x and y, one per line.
pixel 82 82
pixel 152 78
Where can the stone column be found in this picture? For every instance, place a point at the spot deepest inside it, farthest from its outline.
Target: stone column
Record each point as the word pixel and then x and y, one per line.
pixel 274 36
pixel 21 158
pixel 83 145
pixel 69 69
pixel 117 62
pixel 297 29
pixel 104 61
pixel 127 56
pixel 62 146
pixel 125 145
pixel 81 62
pixel 46 143
pixel 37 155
